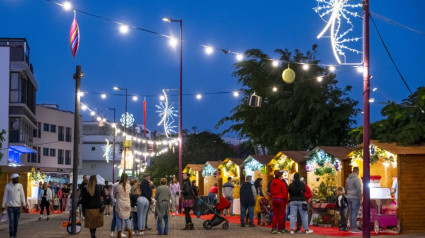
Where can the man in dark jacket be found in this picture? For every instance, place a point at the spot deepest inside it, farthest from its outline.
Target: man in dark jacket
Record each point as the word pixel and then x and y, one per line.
pixel 146 191
pixel 247 194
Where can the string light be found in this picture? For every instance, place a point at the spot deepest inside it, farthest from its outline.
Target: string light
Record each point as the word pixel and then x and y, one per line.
pixel 209 50
pixel 103 96
pixel 135 98
pixel 319 79
pixel 173 42
pixel 306 66
pixel 92 113
pixel 332 68
pixel 199 96
pixel 162 98
pixel 371 100
pixel 81 94
pixel 67 6
pixel 239 57
pixel 124 29
pixel 167 114
pixel 374 89
pixel 83 107
pixel 235 94
pixel 360 69
pixel 274 89
pixel 98 118
pixel 275 63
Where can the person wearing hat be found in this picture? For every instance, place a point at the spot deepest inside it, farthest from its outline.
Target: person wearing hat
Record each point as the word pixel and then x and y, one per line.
pixel 14 198
pixel 279 195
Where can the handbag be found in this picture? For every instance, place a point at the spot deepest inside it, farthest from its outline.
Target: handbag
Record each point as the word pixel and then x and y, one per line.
pixel 4 217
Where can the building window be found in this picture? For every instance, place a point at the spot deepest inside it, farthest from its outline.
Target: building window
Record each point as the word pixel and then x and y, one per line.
pixel 93 148
pixel 46 127
pixel 34 156
pixel 60 133
pixel 53 152
pixel 60 156
pixel 68 134
pixel 38 154
pixel 53 128
pixel 67 157
pixel 45 151
pixel 34 133
pixel 39 129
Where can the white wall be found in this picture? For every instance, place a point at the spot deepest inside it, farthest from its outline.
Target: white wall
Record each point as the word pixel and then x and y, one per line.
pixel 4 99
pixel 98 167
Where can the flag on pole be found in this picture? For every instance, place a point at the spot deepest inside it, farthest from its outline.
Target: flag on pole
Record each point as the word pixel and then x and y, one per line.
pixel 74 37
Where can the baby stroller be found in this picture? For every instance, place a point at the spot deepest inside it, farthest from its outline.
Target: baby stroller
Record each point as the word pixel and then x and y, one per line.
pixel 217 218
pixel 266 212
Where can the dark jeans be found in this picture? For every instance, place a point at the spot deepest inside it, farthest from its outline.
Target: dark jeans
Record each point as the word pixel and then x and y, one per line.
pixel 159 225
pixel 44 204
pixel 343 219
pixel 211 198
pixel 14 214
pixel 93 232
pixel 135 220
pixel 250 213
pixel 187 215
pixel 114 221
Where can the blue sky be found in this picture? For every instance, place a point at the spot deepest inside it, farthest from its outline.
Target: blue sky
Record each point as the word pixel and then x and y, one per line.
pixel 146 64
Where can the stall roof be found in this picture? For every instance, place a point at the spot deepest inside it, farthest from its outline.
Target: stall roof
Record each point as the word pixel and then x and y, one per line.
pixel 297 156
pixel 195 167
pixel 17 169
pixel 214 164
pixel 263 159
pixel 237 161
pixel 339 152
pixel 399 150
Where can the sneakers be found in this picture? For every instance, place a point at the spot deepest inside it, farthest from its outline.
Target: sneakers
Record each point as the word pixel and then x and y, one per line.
pixel 112 234
pixel 274 232
pixel 291 232
pixel 123 235
pixel 356 231
pixel 251 225
pixel 308 231
pixel 48 218
pixel 242 225
pixel 39 218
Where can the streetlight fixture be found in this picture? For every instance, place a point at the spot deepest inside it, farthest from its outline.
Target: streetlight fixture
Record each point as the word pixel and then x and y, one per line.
pixel 125 119
pixel 113 144
pixel 180 96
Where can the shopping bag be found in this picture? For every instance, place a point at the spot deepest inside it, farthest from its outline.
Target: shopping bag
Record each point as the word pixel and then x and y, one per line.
pixel 4 217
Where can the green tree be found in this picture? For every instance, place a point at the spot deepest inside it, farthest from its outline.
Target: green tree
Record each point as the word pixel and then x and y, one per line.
pixel 297 116
pixel 404 123
pixel 2 133
pixel 198 148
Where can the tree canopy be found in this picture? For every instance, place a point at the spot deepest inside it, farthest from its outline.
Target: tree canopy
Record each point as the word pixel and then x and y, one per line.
pixel 2 133
pixel 404 123
pixel 298 116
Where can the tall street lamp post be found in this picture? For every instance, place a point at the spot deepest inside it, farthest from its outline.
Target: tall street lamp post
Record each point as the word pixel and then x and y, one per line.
pixel 180 97
pixel 77 76
pixel 113 144
pixel 125 122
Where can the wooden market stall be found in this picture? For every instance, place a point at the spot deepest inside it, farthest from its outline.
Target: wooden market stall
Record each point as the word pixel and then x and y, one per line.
pixel 258 167
pixel 210 175
pixel 290 162
pixel 407 164
pixel 230 167
pixel 195 171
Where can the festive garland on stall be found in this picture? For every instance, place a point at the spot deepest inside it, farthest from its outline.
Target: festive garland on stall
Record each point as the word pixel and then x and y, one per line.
pixel 322 158
pixel 230 167
pixel 254 165
pixel 36 176
pixel 375 154
pixel 208 170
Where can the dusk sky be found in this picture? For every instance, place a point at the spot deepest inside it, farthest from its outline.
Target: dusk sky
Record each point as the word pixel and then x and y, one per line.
pixel 146 64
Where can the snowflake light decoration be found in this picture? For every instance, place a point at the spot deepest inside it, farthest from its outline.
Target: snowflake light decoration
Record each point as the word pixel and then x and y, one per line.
pixel 208 170
pixel 337 13
pixel 167 114
pixel 107 152
pixel 130 120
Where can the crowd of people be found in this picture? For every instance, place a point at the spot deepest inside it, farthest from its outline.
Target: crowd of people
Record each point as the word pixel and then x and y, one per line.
pixel 130 200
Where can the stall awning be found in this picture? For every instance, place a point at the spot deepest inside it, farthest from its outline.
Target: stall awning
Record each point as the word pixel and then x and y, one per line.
pixel 263 159
pixel 194 167
pixel 339 152
pixel 297 156
pixel 21 149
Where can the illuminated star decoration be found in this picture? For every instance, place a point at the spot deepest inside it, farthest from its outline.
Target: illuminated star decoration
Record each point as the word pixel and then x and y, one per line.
pixel 130 120
pixel 107 152
pixel 74 37
pixel 167 114
pixel 337 13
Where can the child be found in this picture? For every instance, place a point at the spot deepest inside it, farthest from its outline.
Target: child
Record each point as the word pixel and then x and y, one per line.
pixel 342 205
pixel 133 204
pixel 56 203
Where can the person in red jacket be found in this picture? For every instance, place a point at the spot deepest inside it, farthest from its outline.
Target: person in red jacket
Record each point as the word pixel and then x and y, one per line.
pixel 308 195
pixel 279 194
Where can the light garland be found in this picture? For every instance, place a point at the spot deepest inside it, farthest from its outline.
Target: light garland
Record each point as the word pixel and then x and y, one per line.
pixel 322 162
pixel 375 154
pixel 252 166
pixel 127 120
pixel 107 152
pixel 338 13
pixel 208 170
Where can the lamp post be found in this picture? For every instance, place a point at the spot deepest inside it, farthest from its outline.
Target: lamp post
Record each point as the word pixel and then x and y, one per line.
pixel 113 144
pixel 125 121
pixel 77 76
pixel 180 97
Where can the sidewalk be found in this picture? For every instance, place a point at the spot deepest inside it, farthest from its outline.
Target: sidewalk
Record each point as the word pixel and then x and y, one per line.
pixel 30 227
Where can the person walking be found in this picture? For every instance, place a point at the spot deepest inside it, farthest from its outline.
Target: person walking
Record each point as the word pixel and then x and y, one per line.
pixel 146 192
pixel 258 185
pixel 279 194
pixel 248 195
pixel 162 209
pixel 212 194
pixel 107 198
pixel 175 193
pixel 298 203
pixel 65 196
pixel 308 195
pixel 45 199
pixel 228 190
pixel 114 213
pixel 188 201
pixel 353 185
pixel 122 196
pixel 79 195
pixel 14 198
pixel 91 202
pixel 342 206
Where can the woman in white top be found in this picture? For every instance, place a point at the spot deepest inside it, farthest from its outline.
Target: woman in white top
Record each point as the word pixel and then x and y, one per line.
pixel 45 197
pixel 175 192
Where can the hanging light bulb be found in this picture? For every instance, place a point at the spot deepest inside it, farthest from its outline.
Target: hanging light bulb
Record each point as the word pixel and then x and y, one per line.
pixel 319 79
pixel 162 98
pixel 92 113
pixel 103 96
pixel 124 29
pixel 199 96
pixel 209 50
pixel 81 94
pixel 173 42
pixel 67 6
pixel 135 98
pixel 239 57
pixel 275 63
pixel 98 118
pixel 274 89
pixel 332 68
pixel 306 66
pixel 235 94
pixel 360 69
pixel 83 107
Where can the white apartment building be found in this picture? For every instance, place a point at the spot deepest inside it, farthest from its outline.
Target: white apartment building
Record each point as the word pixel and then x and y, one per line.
pixel 53 140
pixel 17 101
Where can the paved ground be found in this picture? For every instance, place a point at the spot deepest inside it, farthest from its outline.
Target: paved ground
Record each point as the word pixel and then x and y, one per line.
pixel 30 227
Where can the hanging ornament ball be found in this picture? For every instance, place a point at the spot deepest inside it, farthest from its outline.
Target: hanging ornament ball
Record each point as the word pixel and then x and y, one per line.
pixel 288 75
